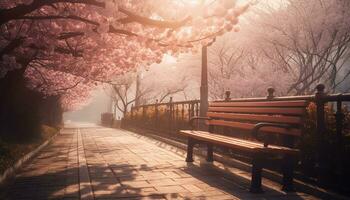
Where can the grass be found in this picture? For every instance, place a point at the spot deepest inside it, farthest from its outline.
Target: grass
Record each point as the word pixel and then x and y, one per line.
pixel 11 151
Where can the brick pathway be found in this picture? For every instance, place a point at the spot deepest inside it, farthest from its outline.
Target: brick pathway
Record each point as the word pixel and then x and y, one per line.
pixel 102 163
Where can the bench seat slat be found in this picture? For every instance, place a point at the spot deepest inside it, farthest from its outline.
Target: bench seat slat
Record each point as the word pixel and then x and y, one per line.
pixel 230 142
pixel 261 104
pixel 259 110
pixel 249 127
pixel 227 139
pixel 245 143
pixel 257 118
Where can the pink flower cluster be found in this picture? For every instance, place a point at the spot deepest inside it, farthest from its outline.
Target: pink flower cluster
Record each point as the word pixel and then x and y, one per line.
pixel 68 48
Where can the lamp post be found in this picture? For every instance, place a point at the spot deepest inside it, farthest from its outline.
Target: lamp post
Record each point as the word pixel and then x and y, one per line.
pixel 204 81
pixel 137 91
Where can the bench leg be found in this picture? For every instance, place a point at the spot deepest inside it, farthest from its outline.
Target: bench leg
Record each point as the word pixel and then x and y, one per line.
pixel 255 186
pixel 287 170
pixel 210 157
pixel 190 145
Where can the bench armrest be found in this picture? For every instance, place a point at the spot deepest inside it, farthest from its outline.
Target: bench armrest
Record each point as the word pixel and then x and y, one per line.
pixel 197 118
pixel 258 126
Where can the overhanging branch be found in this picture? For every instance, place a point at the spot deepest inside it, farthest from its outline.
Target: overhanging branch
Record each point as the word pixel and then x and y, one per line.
pixel 22 9
pixel 50 17
pixel 131 17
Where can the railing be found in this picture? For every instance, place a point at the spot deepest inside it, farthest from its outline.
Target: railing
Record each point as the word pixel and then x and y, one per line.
pixel 164 117
pixel 172 116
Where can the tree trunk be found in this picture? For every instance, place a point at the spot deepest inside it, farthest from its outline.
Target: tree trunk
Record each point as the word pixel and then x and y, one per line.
pixel 23 110
pixel 19 107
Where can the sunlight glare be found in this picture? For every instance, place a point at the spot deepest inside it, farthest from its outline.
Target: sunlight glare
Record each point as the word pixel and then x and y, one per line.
pixel 168 59
pixel 189 2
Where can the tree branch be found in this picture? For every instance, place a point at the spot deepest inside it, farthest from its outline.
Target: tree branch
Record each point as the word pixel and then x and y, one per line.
pixel 50 17
pixel 131 17
pixel 21 10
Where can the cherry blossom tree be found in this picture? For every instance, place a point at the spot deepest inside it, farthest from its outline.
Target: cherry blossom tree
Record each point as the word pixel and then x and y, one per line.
pixel 74 91
pixel 67 47
pixel 96 40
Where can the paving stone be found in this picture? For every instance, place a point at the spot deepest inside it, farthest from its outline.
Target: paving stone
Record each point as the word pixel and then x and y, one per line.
pixel 117 164
pixel 136 184
pixel 192 188
pixel 171 174
pixel 170 189
pixel 163 182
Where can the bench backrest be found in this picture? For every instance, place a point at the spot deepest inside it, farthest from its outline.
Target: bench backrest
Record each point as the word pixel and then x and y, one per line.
pixel 245 115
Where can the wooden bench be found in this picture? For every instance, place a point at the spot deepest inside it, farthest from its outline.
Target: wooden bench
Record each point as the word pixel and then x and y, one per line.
pixel 265 122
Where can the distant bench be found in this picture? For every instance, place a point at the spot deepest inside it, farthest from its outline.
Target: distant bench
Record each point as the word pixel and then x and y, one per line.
pixel 263 120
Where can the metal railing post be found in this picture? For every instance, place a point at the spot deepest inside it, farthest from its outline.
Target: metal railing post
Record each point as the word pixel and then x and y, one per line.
pixel 320 133
pixel 270 93
pixel 227 95
pixel 320 119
